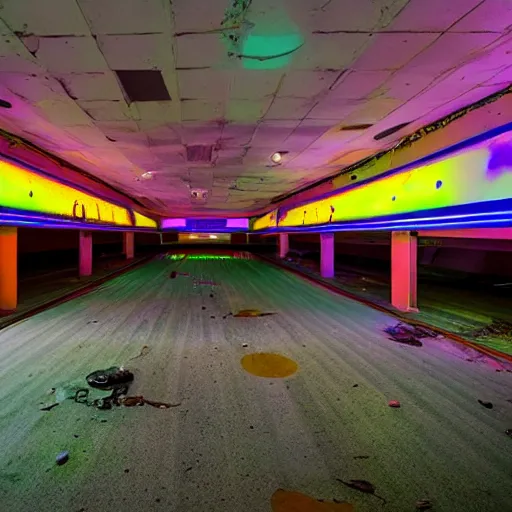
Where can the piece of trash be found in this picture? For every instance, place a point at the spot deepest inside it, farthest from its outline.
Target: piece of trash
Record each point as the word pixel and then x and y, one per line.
pixel 203 307
pixel 211 295
pixel 363 486
pixel 361 456
pixel 212 317
pixel 245 345
pixel 409 334
pixel 423 505
pixel 49 407
pixel 487 405
pixel 508 432
pixel 62 458
pixel 355 385
pixel 143 351
pixel 250 313
pixel 394 403
pixel 109 378
pixel 51 391
pixel 173 274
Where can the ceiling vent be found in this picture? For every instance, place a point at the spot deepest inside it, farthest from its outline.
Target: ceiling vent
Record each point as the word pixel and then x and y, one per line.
pixel 144 85
pixel 355 127
pixel 199 153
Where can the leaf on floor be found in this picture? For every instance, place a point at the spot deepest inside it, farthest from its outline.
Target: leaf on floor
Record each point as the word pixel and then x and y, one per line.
pixel 292 501
pixel 487 405
pixel 423 505
pixel 143 351
pixel 363 486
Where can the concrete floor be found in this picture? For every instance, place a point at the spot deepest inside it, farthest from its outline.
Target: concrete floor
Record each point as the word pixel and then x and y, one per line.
pixel 236 438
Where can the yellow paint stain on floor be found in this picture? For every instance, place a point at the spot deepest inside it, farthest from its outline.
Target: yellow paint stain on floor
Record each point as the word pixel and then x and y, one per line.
pixel 291 501
pixel 269 365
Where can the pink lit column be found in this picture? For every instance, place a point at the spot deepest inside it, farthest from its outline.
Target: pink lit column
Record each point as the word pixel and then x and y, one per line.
pixel 85 254
pixel 129 244
pixel 284 245
pixel 404 253
pixel 327 255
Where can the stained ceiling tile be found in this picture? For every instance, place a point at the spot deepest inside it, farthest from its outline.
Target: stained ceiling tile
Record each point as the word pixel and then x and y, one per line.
pixel 199 51
pixel 47 18
pixel 329 51
pixel 70 55
pixel 234 135
pixel 187 18
pixel 359 84
pixel 106 110
pixel 289 108
pixel 63 113
pixel 92 86
pixel 333 109
pixel 372 111
pixel 125 16
pixel 305 84
pixel 200 132
pixel 392 51
pixel 136 52
pixel 270 134
pixel 431 16
pixel 162 111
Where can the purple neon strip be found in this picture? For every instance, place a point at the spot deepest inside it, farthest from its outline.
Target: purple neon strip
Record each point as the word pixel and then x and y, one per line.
pixel 173 223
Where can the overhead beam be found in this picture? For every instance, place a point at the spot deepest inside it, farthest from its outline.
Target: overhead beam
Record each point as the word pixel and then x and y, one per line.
pixel 483 233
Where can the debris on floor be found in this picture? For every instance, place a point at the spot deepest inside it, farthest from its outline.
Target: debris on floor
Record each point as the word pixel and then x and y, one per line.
pixel 508 432
pixel 394 403
pixel 293 501
pixel 249 313
pixel 49 407
pixel 487 405
pixel 62 458
pixel 143 351
pixel 409 334
pixel 363 486
pixel 496 329
pixel 423 505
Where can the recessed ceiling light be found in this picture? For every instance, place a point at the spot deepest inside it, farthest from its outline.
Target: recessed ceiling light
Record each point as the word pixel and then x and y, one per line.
pixel 277 157
pixel 147 175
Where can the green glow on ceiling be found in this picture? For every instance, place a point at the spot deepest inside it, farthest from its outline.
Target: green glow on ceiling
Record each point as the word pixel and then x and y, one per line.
pixel 269 51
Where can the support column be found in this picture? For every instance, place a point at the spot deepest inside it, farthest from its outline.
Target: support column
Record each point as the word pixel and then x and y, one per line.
pixel 85 254
pixel 404 271
pixel 129 244
pixel 284 245
pixel 8 269
pixel 327 255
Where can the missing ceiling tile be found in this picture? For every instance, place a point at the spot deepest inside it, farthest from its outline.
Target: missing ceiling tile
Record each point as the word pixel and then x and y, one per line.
pixel 144 85
pixel 390 131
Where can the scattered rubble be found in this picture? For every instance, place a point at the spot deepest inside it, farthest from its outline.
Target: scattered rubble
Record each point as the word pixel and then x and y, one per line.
pixel 409 334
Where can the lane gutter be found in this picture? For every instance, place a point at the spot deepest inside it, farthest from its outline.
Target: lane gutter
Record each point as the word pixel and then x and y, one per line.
pixel 74 294
pixel 388 311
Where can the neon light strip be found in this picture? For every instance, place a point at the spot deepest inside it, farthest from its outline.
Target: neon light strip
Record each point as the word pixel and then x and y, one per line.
pixel 31 193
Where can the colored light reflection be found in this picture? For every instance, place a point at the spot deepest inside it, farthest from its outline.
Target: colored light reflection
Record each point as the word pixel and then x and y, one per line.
pixel 21 189
pixel 179 257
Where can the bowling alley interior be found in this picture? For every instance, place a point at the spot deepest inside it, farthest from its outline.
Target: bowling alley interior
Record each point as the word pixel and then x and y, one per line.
pixel 256 255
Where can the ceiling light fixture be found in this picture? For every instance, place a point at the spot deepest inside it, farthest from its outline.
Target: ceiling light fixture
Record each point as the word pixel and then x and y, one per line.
pixel 213 237
pixel 147 175
pixel 277 157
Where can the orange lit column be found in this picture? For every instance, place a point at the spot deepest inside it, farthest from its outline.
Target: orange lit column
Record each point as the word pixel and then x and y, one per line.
pixel 327 255
pixel 284 245
pixel 404 254
pixel 129 244
pixel 8 268
pixel 85 254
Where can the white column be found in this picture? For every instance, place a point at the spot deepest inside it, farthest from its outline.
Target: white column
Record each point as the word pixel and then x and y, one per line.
pixel 404 271
pixel 327 255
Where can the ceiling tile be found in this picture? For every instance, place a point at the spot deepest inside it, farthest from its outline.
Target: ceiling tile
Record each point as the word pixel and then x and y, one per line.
pixel 432 16
pixel 289 108
pixel 125 16
pixel 63 113
pixel 70 55
pixel 162 111
pixel 305 84
pixel 246 111
pixel 200 133
pixel 46 18
pixel 137 52
pixel 198 51
pixel 92 86
pixel 253 84
pixel 359 84
pixel 234 135
pixel 392 51
pixel 329 51
pixel 491 15
pixel 106 110
pixel 204 84
pixel 186 18
pixel 199 110
pixel 334 109
pixel 271 134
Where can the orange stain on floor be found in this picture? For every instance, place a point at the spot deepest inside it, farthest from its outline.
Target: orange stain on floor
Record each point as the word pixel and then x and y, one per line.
pixel 269 365
pixel 292 501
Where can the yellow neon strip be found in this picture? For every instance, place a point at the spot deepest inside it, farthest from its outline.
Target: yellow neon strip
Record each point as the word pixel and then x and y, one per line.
pixel 24 190
pixel 267 221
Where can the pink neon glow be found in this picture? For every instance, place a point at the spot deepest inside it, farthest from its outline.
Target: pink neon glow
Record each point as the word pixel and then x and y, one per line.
pixel 174 223
pixel 238 223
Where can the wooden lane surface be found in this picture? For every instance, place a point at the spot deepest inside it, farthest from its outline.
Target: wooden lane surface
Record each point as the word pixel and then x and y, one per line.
pixel 237 438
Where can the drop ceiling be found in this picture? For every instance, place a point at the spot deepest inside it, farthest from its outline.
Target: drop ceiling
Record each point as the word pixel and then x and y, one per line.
pixel 201 93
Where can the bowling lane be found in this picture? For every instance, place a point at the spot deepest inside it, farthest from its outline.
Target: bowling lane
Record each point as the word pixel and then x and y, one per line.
pixel 236 438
